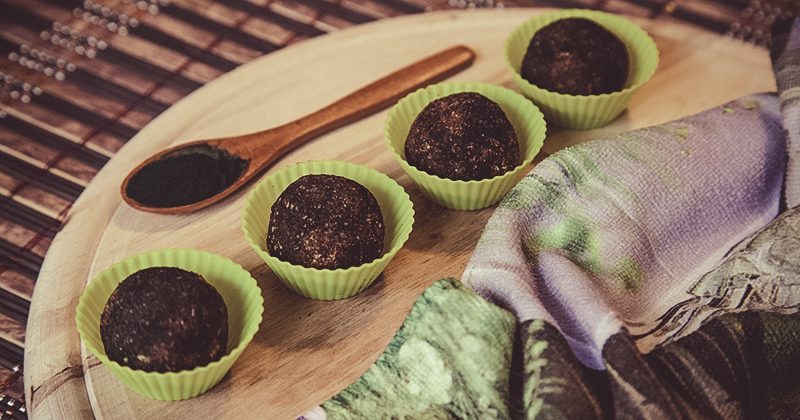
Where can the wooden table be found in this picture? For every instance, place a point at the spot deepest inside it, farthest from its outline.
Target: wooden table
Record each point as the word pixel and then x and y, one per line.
pixel 308 350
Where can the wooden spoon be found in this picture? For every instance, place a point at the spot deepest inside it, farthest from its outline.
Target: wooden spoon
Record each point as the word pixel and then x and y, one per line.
pixel 265 147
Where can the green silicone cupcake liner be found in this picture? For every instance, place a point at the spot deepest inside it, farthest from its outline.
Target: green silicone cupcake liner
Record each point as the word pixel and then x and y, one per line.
pixel 584 112
pixel 238 289
pixel 324 284
pixel 528 123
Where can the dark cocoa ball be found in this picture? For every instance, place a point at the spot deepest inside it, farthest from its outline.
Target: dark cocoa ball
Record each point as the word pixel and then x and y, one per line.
pixel 325 221
pixel 576 56
pixel 463 136
pixel 164 319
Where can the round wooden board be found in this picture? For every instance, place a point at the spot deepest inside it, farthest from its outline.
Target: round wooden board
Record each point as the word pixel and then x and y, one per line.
pixel 308 350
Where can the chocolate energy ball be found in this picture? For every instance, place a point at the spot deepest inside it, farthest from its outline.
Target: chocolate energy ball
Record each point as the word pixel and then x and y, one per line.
pixel 576 56
pixel 164 319
pixel 463 136
pixel 325 221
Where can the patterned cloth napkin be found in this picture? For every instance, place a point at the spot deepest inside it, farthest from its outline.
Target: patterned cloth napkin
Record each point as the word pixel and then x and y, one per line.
pixel 652 274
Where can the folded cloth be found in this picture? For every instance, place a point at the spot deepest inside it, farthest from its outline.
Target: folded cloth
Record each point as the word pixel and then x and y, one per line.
pixel 615 231
pixel 652 275
pixel 785 55
pixel 736 356
pixel 438 366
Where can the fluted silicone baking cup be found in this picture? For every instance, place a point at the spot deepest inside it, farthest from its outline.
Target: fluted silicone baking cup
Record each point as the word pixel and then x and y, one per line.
pixel 528 123
pixel 589 111
pixel 238 289
pixel 325 284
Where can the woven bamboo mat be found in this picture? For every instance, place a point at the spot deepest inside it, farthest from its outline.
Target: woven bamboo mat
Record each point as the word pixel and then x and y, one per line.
pixel 78 78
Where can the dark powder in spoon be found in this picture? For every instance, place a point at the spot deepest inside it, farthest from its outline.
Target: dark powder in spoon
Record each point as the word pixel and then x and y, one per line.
pixel 185 177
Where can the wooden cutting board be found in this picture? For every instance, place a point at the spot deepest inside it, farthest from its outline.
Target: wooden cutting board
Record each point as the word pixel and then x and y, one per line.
pixel 308 350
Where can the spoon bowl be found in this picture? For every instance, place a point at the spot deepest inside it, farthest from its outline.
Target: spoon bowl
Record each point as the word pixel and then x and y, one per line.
pixel 261 149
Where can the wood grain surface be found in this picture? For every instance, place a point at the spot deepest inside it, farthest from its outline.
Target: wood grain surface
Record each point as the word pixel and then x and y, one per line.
pixel 308 350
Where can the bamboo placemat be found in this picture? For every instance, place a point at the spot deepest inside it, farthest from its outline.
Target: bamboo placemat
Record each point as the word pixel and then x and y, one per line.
pixel 80 78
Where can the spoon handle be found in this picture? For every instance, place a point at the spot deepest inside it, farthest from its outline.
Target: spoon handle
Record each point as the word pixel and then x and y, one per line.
pixel 381 93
